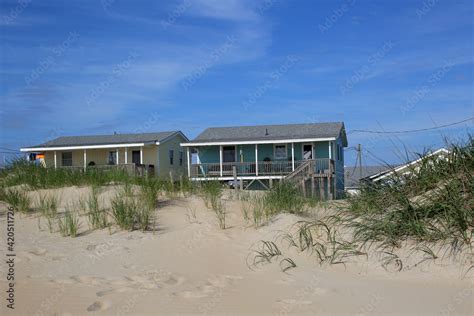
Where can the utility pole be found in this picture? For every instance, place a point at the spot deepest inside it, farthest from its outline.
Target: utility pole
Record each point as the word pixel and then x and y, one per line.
pixel 359 153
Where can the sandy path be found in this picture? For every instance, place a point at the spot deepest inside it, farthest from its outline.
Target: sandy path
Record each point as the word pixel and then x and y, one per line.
pixel 196 268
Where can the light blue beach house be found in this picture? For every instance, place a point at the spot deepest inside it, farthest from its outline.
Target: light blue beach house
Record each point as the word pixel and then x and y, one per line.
pixel 310 155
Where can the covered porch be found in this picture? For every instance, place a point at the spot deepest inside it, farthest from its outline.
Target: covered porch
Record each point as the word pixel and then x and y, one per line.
pixel 258 161
pixel 135 159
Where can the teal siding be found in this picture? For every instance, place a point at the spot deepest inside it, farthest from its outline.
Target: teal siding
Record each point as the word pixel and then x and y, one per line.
pixel 246 153
pixel 321 150
pixel 340 186
pixel 209 154
pixel 264 151
pixel 298 151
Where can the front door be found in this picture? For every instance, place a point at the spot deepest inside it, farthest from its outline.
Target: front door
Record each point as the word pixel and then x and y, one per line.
pixel 307 151
pixel 136 157
pixel 228 154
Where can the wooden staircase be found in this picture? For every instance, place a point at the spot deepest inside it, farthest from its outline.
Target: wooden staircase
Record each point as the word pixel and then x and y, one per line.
pixel 309 171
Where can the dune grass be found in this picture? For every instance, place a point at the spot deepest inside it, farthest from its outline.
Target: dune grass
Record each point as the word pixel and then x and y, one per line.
pixel 69 224
pixel 19 199
pixel 284 197
pixel 97 216
pixel 432 203
pixel 211 192
pixel 20 171
pixel 430 209
pixel 220 210
pixel 131 212
pixel 48 206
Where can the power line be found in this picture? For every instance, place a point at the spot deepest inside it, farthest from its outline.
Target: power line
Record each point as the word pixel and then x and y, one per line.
pixel 9 149
pixel 410 131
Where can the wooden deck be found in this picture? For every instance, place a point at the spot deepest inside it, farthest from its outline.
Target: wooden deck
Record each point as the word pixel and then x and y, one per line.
pixel 321 167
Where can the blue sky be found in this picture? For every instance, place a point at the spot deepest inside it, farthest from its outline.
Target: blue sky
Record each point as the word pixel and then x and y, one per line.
pixel 95 67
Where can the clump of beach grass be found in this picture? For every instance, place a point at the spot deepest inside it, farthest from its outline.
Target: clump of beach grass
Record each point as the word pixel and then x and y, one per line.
pixel 97 216
pixel 69 224
pixel 19 199
pixel 322 238
pixel 130 211
pixel 149 190
pixel 433 203
pixel 124 209
pixel 211 192
pixel 220 210
pixel 48 206
pixel 267 252
pixel 21 171
pixel 284 196
pixel 191 215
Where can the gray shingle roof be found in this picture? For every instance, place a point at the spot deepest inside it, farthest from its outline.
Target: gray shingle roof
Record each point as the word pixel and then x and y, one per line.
pixel 352 174
pixel 272 132
pixel 106 139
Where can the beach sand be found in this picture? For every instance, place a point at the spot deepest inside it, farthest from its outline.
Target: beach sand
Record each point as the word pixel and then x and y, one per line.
pixel 190 266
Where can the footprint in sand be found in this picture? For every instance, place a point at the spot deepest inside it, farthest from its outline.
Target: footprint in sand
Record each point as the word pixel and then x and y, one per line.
pixel 39 252
pixel 293 302
pixel 174 281
pixel 112 291
pixel 91 247
pixel 98 307
pixel 88 280
pixel 211 286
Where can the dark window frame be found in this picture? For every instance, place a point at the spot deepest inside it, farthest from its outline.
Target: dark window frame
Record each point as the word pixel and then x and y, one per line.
pixel 181 157
pixel 66 162
pixel 171 156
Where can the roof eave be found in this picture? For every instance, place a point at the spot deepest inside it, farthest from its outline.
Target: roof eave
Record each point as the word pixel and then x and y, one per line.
pixel 76 147
pixel 256 142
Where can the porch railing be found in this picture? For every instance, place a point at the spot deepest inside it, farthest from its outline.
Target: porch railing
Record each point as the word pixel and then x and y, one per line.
pixel 263 168
pixel 131 168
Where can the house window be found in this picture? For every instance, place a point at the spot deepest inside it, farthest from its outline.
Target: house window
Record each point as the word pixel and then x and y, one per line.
pixel 171 154
pixel 181 158
pixel 280 151
pixel 112 158
pixel 136 157
pixel 338 152
pixel 66 159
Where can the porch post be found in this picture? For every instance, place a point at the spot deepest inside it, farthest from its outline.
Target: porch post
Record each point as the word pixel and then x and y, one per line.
pixel 330 150
pixel 220 159
pixel 256 159
pixel 189 162
pixel 55 160
pixel 85 159
pixel 141 155
pixel 118 155
pixel 126 155
pixel 293 156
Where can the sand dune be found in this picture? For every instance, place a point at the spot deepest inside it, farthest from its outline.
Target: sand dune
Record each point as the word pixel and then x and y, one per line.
pixel 190 266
